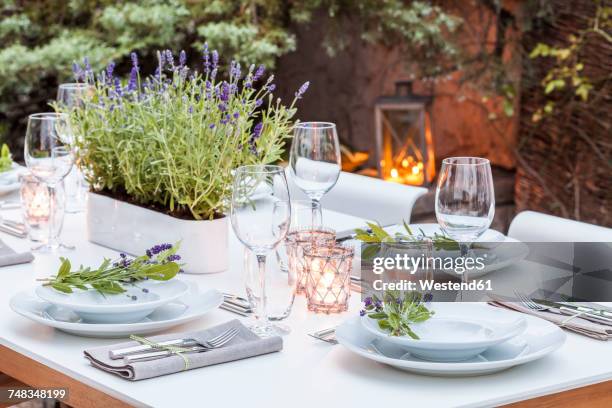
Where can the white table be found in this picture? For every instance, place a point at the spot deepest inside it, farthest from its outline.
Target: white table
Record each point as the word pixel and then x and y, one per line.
pixel 306 372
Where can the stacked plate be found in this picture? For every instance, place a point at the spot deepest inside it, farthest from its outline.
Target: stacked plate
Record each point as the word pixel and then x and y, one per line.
pixel 151 306
pixel 461 339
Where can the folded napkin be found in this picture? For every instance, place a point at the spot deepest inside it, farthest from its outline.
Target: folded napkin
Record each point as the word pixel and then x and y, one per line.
pixel 9 257
pixel 246 344
pixel 576 324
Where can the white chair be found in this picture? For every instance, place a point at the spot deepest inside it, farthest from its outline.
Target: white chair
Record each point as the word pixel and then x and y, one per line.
pixel 367 197
pixel 531 226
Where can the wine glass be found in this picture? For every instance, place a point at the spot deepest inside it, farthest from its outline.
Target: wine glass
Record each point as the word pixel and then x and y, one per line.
pixel 49 159
pixel 305 214
pixel 73 95
pixel 465 200
pixel 315 158
pixel 70 96
pixel 260 213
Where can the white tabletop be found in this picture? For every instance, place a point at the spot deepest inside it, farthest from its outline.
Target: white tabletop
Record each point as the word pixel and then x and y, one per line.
pixel 307 372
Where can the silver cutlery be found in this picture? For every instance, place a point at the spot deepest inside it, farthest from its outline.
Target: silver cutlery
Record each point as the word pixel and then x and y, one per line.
pixel 214 343
pixel 531 304
pixel 236 310
pixel 236 304
pixel 9 205
pixel 326 335
pixel 120 353
pixel 13 228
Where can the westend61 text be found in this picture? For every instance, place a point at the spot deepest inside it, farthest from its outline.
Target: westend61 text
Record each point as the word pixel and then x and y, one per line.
pixel 430 285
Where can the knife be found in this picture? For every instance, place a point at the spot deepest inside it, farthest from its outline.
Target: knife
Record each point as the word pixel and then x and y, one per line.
pixel 579 308
pixel 586 313
pixel 120 353
pixel 13 230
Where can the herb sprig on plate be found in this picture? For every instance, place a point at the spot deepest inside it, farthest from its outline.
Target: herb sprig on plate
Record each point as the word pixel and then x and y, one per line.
pixel 158 263
pixel 375 234
pixel 395 313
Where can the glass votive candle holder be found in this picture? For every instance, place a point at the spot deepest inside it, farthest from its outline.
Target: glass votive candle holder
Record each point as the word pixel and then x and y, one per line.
pixel 296 241
pixel 35 205
pixel 328 277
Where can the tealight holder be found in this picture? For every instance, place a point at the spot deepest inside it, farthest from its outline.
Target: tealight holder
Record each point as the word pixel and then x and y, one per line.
pixel 35 205
pixel 328 277
pixel 296 241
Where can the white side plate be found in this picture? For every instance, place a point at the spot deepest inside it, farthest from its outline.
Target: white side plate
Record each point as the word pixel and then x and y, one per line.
pixel 187 308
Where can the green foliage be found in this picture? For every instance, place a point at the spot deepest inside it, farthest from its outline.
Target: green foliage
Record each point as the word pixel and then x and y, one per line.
pixel 111 277
pixel 6 160
pixel 376 235
pixel 395 313
pixel 40 40
pixel 173 140
pixel 566 74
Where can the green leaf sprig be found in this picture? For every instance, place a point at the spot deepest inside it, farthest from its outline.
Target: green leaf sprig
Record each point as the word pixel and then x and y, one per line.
pixel 111 277
pixel 395 313
pixel 375 234
pixel 6 159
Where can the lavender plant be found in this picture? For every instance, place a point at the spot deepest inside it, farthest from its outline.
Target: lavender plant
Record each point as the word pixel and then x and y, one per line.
pixel 171 139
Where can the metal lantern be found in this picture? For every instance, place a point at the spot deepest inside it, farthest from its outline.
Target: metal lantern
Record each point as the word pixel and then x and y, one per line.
pixel 404 144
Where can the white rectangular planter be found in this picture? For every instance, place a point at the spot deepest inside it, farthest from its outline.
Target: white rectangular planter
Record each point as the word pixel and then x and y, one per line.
pixel 132 229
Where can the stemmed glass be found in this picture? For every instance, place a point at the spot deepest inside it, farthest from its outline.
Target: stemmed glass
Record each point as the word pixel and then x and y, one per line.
pixel 260 214
pixel 49 159
pixel 315 158
pixel 465 200
pixel 69 96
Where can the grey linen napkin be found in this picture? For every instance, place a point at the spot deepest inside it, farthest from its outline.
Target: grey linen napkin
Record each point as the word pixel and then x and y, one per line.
pixel 9 257
pixel 576 324
pixel 246 344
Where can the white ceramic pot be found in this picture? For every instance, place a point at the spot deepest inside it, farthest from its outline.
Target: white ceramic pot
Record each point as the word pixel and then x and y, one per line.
pixel 132 229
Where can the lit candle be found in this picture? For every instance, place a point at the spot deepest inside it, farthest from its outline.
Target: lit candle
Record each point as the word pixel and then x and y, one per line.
pixel 295 243
pixel 35 206
pixel 328 280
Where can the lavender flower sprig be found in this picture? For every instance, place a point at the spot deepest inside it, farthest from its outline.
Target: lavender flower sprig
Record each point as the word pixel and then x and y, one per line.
pixel 111 277
pixel 395 313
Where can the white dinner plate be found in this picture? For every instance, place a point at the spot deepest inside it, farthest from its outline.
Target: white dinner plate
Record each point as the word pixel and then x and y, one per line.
pixel 189 307
pixel 539 339
pixel 136 303
pixel 454 336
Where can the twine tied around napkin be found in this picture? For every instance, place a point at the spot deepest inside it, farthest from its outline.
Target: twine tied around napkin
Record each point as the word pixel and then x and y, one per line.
pixel 246 344
pixel 172 349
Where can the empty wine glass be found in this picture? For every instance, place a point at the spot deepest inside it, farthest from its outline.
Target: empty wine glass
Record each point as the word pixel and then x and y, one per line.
pixel 72 95
pixel 260 214
pixel 465 200
pixel 69 96
pixel 315 158
pixel 305 214
pixel 49 159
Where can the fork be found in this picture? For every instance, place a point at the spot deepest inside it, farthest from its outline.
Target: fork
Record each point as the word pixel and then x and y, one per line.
pixel 326 335
pixel 563 310
pixel 530 304
pixel 214 343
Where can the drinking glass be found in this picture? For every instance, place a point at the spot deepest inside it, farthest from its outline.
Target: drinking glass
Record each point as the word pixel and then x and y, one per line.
pixel 69 96
pixel 260 213
pixel 304 215
pixel 315 158
pixel 465 200
pixel 49 159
